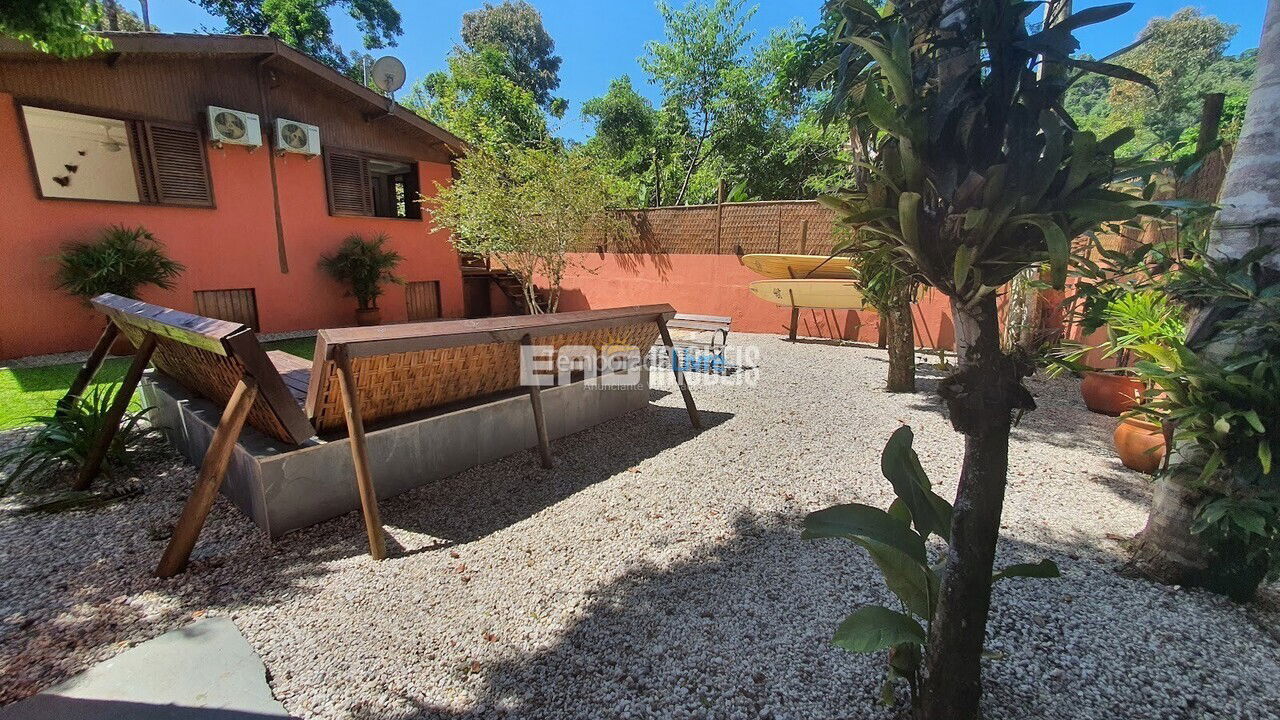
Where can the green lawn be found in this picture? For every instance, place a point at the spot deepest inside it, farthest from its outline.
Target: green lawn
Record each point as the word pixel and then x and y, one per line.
pixel 31 392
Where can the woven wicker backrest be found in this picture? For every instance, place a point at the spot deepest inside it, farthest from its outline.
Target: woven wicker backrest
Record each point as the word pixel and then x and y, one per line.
pixel 404 368
pixel 208 357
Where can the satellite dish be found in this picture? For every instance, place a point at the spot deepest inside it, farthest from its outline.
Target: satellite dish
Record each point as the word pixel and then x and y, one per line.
pixel 388 74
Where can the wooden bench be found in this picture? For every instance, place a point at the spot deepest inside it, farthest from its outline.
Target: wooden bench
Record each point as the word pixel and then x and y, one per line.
pixel 358 375
pixel 707 334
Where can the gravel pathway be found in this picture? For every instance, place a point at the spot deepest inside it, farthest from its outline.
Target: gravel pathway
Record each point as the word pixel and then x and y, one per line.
pixel 654 573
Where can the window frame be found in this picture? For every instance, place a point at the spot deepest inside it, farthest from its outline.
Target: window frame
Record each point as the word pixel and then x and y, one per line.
pixel 367 156
pixel 132 123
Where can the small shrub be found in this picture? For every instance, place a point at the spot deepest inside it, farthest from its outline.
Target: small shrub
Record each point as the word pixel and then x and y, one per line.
pixel 364 266
pixel 120 261
pixel 63 441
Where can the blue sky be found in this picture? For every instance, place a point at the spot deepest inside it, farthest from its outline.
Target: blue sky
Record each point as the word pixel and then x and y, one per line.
pixel 602 39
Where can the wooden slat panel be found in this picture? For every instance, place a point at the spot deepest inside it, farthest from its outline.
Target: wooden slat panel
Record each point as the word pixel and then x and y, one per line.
pixel 181 173
pixel 348 183
pixel 423 300
pixel 208 357
pixel 238 305
pixel 393 384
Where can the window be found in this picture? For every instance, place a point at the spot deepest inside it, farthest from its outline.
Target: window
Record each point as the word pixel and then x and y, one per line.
pixel 370 186
pixel 87 157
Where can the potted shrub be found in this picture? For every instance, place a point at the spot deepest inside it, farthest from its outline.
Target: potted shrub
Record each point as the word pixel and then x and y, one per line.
pixel 1145 325
pixel 1120 287
pixel 364 266
pixel 121 260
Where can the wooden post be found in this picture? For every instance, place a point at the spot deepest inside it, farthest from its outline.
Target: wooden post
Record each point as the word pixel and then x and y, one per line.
pixel 539 420
pixel 212 470
pixel 795 312
pixel 111 421
pixel 89 369
pixel 778 238
pixel 719 223
pixel 680 381
pixel 804 236
pixel 360 456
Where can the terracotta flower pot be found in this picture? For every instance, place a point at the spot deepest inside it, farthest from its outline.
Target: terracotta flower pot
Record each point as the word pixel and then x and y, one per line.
pixel 1110 393
pixel 1140 444
pixel 368 316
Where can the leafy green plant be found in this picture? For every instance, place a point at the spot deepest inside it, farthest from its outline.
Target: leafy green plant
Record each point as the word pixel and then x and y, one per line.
pixel 528 208
pixel 63 440
pixel 364 265
pixel 1137 323
pixel 121 260
pixel 980 174
pixel 897 541
pixel 1225 407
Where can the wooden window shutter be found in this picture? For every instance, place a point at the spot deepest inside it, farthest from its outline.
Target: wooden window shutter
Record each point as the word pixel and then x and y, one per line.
pixel 350 192
pixel 179 171
pixel 142 162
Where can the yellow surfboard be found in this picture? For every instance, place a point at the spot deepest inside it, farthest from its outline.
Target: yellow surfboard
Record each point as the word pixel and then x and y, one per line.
pixel 810 267
pixel 824 294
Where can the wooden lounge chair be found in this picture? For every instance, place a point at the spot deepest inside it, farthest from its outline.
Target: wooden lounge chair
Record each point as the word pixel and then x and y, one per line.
pixel 359 375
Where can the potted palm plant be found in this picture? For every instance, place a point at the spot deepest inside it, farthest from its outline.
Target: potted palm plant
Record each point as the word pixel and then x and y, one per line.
pixel 365 266
pixel 120 260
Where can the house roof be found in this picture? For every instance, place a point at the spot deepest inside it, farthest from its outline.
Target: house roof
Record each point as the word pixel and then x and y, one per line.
pixel 264 47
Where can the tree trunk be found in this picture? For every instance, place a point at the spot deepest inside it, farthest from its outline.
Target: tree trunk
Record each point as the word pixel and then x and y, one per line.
pixel 1166 550
pixel 980 396
pixel 901 340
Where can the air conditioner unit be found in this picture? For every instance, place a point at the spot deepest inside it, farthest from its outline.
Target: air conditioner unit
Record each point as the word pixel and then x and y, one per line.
pixel 234 127
pixel 297 137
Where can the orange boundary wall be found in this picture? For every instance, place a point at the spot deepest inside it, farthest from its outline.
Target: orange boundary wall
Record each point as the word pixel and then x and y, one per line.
pixel 718 285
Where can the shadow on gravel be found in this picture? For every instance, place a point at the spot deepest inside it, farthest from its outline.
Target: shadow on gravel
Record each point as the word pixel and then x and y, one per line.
pixel 58 616
pixel 471 505
pixel 739 628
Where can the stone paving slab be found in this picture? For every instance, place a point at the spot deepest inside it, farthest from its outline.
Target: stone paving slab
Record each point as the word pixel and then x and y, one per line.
pixel 205 671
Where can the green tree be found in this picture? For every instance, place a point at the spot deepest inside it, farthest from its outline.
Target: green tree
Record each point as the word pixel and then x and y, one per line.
pixel 1215 513
pixel 628 142
pixel 305 24
pixel 515 28
pixel 525 207
pixel 1185 57
pixel 477 100
pixel 978 176
pixel 701 69
pixel 726 115
pixel 58 27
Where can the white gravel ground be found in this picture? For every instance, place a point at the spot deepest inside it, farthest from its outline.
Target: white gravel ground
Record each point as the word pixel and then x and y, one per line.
pixel 655 573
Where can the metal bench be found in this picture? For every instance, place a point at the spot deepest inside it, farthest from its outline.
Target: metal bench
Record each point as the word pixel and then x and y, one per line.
pixel 699 341
pixel 358 375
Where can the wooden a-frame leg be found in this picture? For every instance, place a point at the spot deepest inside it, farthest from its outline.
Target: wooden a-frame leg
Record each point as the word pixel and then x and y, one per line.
pixel 89 369
pixel 795 323
pixel 212 470
pixel 111 421
pixel 694 417
pixel 539 420
pixel 360 458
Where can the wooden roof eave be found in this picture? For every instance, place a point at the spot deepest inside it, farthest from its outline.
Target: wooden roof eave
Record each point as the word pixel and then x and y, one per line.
pixel 265 48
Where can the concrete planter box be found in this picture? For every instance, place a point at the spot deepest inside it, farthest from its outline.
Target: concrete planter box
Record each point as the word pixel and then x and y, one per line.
pixel 283 488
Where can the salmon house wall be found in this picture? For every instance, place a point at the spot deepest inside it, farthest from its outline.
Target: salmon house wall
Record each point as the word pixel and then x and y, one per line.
pixel 233 245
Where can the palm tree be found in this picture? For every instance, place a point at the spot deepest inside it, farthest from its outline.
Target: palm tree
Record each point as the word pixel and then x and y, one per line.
pixel 1168 549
